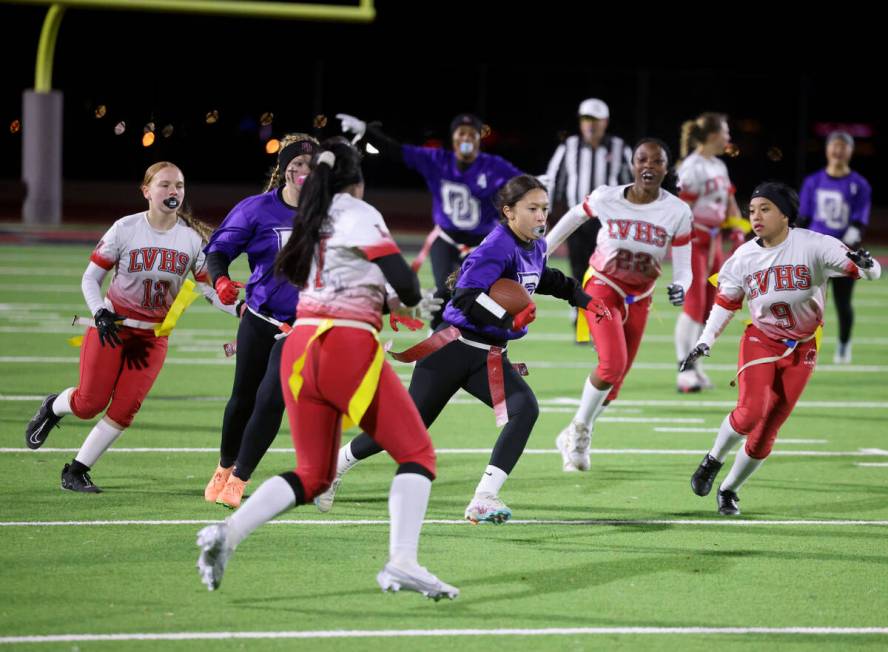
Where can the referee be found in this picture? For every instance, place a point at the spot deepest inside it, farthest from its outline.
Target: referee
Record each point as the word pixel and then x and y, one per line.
pixel 581 163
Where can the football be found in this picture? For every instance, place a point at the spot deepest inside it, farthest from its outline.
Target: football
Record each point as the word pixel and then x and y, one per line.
pixel 510 294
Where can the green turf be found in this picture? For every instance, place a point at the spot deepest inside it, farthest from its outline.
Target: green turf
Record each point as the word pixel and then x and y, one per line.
pixel 140 578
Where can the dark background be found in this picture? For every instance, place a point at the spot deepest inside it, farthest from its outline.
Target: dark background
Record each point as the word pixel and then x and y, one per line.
pixel 523 68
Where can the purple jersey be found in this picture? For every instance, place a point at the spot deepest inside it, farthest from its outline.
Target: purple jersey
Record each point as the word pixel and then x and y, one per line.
pixel 500 255
pixel 462 200
pixel 259 226
pixel 835 203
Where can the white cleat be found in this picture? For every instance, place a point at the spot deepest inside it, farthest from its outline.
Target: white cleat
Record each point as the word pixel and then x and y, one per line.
pixel 487 508
pixel 842 354
pixel 324 501
pixel 214 554
pixel 414 578
pixel 688 381
pixel 573 442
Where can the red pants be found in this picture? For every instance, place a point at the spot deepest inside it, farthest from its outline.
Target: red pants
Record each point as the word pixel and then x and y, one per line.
pixel 768 391
pixel 616 342
pixel 335 364
pixel 706 259
pixel 123 374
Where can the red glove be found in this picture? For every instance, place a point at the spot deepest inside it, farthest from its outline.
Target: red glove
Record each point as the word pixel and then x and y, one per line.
pixel 524 317
pixel 409 322
pixel 597 308
pixel 227 290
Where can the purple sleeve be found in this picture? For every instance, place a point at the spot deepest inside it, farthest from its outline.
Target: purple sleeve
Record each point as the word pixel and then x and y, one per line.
pixel 806 201
pixel 422 159
pixel 482 268
pixel 233 235
pixel 861 209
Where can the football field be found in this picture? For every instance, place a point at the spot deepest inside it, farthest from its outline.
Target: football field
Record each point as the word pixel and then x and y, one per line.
pixel 622 557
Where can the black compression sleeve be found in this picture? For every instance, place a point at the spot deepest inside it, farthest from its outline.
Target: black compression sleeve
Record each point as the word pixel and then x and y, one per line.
pixel 217 265
pixel 556 284
pixel 388 146
pixel 399 275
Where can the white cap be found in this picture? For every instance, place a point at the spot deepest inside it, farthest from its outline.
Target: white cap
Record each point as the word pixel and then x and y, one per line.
pixel 594 108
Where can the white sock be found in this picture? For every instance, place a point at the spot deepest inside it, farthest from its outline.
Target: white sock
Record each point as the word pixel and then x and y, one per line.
pixel 97 442
pixel 346 460
pixel 591 402
pixel 687 331
pixel 744 466
pixel 273 496
pixel 408 500
pixel 725 440
pixel 62 403
pixel 492 480
pixel 598 412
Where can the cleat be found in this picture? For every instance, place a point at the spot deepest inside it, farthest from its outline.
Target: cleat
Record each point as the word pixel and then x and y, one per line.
pixel 701 481
pixel 688 382
pixel 41 424
pixel 324 501
pixel 727 503
pixel 217 483
pixel 573 442
pixel 702 378
pixel 487 508
pixel 417 578
pixel 214 554
pixel 80 482
pixel 233 492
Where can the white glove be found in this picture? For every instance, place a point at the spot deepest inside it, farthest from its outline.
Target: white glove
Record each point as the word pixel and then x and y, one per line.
pixel 428 306
pixel 352 125
pixel 852 236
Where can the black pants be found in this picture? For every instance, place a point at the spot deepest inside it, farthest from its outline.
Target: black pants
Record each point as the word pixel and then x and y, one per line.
pixel 843 287
pixel 580 246
pixel 438 377
pixel 446 259
pixel 254 411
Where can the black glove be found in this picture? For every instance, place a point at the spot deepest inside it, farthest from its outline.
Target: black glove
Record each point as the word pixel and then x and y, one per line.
pixel 862 258
pixel 676 294
pixel 698 351
pixel 106 324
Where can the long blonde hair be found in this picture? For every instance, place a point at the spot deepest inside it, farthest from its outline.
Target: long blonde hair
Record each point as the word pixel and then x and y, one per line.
pixel 276 176
pixel 203 229
pixel 694 132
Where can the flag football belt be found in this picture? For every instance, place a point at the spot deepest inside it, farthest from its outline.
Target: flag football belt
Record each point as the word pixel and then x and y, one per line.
pixel 366 391
pixel 230 348
pixel 495 379
pixel 791 345
pixel 582 324
pixel 714 241
pixel 127 323
pixel 434 234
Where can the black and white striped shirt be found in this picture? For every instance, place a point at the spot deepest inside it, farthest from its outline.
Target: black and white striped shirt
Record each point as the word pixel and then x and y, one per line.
pixel 576 169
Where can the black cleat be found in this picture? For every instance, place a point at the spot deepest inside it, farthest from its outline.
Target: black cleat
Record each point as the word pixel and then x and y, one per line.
pixel 727 503
pixel 73 481
pixel 41 424
pixel 701 481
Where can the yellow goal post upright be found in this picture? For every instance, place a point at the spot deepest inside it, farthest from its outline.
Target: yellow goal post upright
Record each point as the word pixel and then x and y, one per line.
pixel 42 106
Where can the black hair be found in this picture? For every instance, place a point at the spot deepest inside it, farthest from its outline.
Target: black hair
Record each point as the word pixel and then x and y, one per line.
pixel 513 190
pixel 670 181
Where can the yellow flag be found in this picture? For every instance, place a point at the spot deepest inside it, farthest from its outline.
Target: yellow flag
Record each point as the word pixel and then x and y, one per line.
pixel 76 341
pixel 185 298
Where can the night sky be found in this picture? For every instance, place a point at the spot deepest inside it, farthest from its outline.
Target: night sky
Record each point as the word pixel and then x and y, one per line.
pixel 524 73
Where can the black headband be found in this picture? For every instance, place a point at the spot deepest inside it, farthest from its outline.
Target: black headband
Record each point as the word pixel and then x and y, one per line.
pixel 291 151
pixel 777 193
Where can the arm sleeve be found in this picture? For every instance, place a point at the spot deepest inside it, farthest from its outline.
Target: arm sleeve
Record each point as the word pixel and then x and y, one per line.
pixel 91 285
pixel 569 222
pixel 211 297
pixel 719 318
pixel 217 265
pixel 806 203
pixel 387 146
pixel 860 210
pixel 554 283
pixel 400 277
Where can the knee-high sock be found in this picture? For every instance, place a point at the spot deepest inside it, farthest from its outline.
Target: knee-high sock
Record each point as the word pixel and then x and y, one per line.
pixel 725 440
pixel 273 496
pixel 97 442
pixel 744 466
pixel 408 500
pixel 590 404
pixel 62 404
pixel 687 331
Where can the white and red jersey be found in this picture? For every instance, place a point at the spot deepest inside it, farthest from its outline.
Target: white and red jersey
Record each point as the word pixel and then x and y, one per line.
pixel 344 282
pixel 705 185
pixel 634 238
pixel 784 285
pixel 149 265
